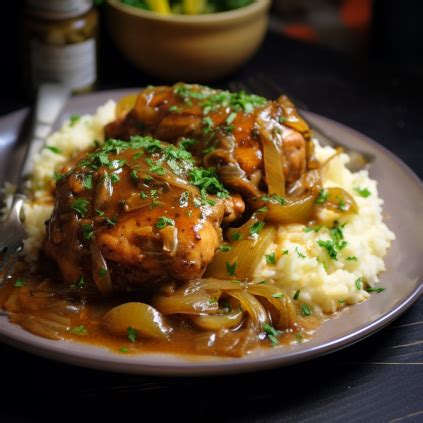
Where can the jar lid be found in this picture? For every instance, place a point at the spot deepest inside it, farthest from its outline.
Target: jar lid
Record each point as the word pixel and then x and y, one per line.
pixel 58 9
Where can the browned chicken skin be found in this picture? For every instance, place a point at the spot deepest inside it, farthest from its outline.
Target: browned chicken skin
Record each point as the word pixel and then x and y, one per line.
pixel 138 211
pixel 130 217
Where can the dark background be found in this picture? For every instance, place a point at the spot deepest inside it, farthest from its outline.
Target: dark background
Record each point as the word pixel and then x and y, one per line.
pixel 379 379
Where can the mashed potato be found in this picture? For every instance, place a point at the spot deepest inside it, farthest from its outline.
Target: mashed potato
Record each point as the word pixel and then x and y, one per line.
pixel 302 268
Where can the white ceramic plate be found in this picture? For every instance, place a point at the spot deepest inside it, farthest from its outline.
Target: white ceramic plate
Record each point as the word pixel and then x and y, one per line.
pixel 403 195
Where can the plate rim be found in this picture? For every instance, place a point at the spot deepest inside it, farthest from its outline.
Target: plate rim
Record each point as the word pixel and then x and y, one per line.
pixel 215 366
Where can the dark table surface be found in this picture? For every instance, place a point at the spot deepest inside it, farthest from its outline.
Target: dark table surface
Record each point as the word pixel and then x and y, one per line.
pixel 379 379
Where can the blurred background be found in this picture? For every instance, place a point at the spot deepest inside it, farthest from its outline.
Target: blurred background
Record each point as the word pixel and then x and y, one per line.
pixel 356 61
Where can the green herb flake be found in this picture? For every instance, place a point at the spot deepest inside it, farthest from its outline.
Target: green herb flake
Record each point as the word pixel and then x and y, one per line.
pixel 231 268
pixel 299 253
pixel 19 283
pixel 231 118
pixel 236 236
pixel 87 231
pixel 132 334
pixel 263 209
pixel 80 330
pixel 123 350
pixel 272 334
pixel 358 283
pixel 351 258
pixel 207 125
pixel 224 248
pixel 80 206
pixel 114 178
pixel 271 258
pixel 134 175
pixel 164 221
pixel 73 120
pixel 174 108
pixel 377 290
pixel 297 294
pixel 299 338
pixel 312 228
pixel 363 192
pixel 274 198
pixel 143 194
pixel 53 149
pixel 278 295
pixel 87 182
pixel 305 310
pixel 81 282
pixel 322 197
pixel 102 272
pixel 256 228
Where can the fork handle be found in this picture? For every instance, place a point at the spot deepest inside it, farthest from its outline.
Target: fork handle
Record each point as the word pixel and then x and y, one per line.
pixel 51 98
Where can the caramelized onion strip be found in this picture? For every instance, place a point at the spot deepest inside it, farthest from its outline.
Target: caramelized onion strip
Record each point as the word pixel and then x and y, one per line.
pixel 146 320
pixel 217 322
pixel 299 210
pixel 252 306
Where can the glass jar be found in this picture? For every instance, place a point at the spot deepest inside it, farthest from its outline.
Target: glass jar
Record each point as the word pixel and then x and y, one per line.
pixel 60 43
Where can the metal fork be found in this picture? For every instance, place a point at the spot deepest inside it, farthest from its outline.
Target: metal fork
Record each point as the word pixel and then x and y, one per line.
pixel 51 99
pixel 267 88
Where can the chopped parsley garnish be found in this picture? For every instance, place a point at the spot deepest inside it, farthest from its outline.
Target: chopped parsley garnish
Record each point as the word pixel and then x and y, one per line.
pixel 87 181
pixel 102 272
pixel 297 294
pixel 134 175
pixel 186 143
pixel 231 118
pixel 285 252
pixel 81 282
pixel 225 247
pixel 231 268
pixel 256 228
pixel 123 350
pixel 283 119
pixel 53 149
pixel 270 258
pixel 164 221
pixel 335 244
pixel 174 108
pixel 236 236
pixel 313 228
pixel 362 192
pixel 377 290
pixel 299 338
pixel 274 198
pixel 341 204
pixel 207 125
pixel 206 180
pixel 80 206
pixel 73 119
pixel 143 194
pixel 322 197
pixel 277 295
pixel 132 334
pixel 80 330
pixel 114 178
pixel 136 156
pixel 272 334
pixel 263 209
pixel 299 253
pixel 87 231
pixel 305 310
pixel 19 283
pixel 351 258
pixel 358 283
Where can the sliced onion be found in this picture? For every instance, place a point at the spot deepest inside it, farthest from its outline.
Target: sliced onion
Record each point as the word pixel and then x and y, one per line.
pixel 100 273
pixel 246 253
pixel 104 191
pixel 282 303
pixel 42 327
pixel 169 236
pixel 217 322
pixel 232 176
pixel 146 320
pixel 125 104
pixel 135 202
pixel 295 211
pixel 292 118
pixel 210 284
pixel 340 201
pixel 197 303
pixel 271 140
pixel 252 306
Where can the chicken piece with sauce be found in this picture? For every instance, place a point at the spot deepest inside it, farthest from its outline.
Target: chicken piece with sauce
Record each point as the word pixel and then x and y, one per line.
pixel 135 214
